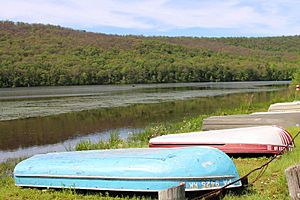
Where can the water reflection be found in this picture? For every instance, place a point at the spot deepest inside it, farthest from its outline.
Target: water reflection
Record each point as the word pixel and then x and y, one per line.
pixel 54 129
pixel 57 132
pixel 66 145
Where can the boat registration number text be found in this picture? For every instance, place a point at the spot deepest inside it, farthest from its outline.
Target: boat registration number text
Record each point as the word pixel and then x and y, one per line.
pixel 207 184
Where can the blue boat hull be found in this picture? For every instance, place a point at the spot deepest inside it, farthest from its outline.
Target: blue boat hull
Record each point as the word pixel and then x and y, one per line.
pixel 143 170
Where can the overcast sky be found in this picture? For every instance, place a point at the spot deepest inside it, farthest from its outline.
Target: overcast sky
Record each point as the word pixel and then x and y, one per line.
pixel 162 17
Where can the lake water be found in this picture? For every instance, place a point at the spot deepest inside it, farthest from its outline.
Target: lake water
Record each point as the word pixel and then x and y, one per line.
pixel 44 119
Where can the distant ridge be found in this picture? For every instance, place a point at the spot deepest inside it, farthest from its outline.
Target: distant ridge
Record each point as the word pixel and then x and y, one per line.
pixel 40 55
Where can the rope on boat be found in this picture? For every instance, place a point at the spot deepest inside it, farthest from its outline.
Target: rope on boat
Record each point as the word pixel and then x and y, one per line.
pixel 262 169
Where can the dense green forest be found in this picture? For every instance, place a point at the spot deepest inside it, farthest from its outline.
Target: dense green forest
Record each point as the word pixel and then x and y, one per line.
pixel 40 55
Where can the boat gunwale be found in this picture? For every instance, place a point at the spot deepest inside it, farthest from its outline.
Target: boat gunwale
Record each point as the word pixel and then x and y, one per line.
pixel 120 178
pixel 126 190
pixel 216 144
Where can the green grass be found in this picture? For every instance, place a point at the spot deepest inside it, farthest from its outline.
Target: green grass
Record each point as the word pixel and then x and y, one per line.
pixel 272 185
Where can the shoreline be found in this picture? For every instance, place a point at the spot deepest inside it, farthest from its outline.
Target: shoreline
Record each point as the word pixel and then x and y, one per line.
pixel 271 185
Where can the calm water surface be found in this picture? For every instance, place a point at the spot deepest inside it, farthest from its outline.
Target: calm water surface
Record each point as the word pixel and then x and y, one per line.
pixel 43 119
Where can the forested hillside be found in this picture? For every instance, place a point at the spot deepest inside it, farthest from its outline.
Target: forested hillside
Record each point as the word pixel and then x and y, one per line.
pixel 39 55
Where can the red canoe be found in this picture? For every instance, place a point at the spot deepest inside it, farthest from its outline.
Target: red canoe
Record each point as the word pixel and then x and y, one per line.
pixel 250 140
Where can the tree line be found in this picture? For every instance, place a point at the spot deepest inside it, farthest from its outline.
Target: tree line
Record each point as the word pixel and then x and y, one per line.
pixel 43 55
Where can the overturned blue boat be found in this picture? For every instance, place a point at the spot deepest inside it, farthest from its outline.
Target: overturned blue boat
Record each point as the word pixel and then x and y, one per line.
pixel 140 170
